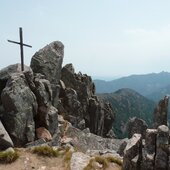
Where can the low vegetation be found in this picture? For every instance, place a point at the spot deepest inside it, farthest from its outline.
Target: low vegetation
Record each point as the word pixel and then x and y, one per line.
pixel 67 158
pixel 114 160
pixel 90 165
pixel 49 151
pixel 68 155
pixel 8 156
pixel 45 150
pixel 103 161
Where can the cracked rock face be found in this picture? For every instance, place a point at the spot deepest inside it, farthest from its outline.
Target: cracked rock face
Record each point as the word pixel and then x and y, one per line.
pixel 161 112
pixel 131 159
pixel 80 105
pixel 6 72
pixel 150 153
pixel 5 140
pixel 20 108
pixel 136 125
pixel 26 104
pixel 79 161
pixel 48 62
pixel 31 99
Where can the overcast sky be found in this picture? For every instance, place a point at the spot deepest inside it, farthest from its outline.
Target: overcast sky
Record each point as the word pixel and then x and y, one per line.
pixel 104 38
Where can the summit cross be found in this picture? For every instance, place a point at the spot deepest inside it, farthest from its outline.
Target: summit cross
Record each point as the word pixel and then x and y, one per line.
pixel 21 47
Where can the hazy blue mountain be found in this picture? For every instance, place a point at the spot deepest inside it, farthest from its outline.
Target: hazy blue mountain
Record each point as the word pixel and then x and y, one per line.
pixel 159 94
pixel 106 78
pixel 146 85
pixel 128 103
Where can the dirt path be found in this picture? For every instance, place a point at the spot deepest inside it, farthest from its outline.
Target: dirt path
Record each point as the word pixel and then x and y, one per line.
pixel 29 161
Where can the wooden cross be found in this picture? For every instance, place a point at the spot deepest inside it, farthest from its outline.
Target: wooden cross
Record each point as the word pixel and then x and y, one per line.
pixel 21 47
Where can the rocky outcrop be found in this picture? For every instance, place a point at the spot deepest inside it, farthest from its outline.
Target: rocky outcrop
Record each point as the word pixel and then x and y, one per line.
pixel 43 133
pixel 154 154
pixel 128 104
pixel 20 108
pixel 8 71
pixel 136 125
pixel 101 117
pixel 26 104
pixel 132 158
pixel 82 83
pixel 149 149
pixel 161 112
pixel 162 148
pixel 80 105
pixel 5 140
pixel 84 140
pixel 79 161
pixel 30 100
pixel 47 115
pixel 48 62
pixel 72 108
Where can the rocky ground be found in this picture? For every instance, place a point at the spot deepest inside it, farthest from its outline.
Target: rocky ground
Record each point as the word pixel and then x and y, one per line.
pixel 30 161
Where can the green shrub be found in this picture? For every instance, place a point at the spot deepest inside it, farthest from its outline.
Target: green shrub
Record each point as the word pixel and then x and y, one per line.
pixel 8 156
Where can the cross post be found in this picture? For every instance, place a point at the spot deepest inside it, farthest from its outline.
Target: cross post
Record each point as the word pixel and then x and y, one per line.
pixel 21 47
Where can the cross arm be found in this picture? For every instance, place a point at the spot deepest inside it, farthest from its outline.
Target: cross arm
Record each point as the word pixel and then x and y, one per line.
pixel 19 43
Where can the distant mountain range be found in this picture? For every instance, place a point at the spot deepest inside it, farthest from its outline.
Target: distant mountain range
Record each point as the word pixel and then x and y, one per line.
pixel 160 93
pixel 154 85
pixel 128 103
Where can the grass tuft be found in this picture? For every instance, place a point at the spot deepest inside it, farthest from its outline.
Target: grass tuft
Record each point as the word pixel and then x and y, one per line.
pixel 45 150
pixel 90 165
pixel 68 155
pixel 8 156
pixel 103 161
pixel 114 160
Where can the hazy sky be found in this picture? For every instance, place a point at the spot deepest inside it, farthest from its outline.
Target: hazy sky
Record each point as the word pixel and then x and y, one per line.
pixel 101 37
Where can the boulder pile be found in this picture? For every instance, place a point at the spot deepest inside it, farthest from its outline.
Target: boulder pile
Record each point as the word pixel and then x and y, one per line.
pixel 151 151
pixel 32 100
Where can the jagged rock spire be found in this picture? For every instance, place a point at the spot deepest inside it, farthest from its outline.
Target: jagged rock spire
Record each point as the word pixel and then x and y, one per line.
pixel 161 112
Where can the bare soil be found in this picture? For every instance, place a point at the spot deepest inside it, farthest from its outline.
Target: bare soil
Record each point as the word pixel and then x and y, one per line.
pixel 30 161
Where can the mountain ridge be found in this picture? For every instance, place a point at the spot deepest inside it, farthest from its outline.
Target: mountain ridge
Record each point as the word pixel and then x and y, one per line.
pixel 144 84
pixel 128 103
